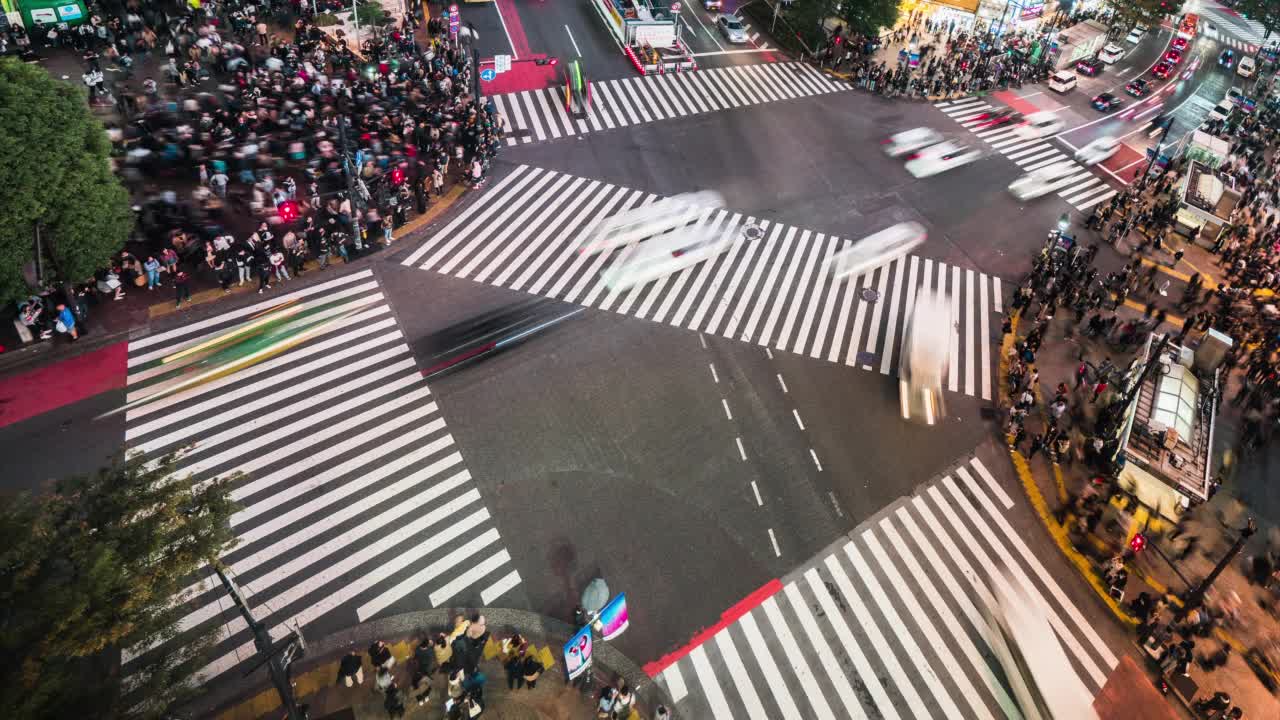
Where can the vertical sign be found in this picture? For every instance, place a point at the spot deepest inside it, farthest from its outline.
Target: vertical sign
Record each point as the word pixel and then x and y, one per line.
pixel 577 653
pixel 613 618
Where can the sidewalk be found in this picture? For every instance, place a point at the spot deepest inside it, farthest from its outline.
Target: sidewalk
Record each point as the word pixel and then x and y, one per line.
pixel 1166 567
pixel 316 681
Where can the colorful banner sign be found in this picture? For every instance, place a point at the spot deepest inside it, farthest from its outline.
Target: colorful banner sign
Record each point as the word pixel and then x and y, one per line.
pixel 577 653
pixel 613 618
pixel 1032 10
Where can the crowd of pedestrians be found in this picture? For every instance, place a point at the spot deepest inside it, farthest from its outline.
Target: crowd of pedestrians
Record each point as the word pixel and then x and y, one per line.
pixel 445 671
pixel 261 141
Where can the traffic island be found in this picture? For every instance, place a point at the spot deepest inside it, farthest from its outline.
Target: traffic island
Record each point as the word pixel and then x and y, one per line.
pixel 317 684
pixel 1234 631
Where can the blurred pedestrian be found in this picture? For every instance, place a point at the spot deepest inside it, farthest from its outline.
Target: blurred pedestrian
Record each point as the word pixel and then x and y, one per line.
pixel 351 669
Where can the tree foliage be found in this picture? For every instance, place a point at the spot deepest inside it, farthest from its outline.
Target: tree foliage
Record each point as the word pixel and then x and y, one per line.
pixel 1265 12
pixel 1147 12
pixel 94 567
pixel 53 158
pixel 870 17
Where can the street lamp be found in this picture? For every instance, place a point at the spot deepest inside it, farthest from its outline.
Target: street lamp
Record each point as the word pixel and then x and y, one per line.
pixel 1195 597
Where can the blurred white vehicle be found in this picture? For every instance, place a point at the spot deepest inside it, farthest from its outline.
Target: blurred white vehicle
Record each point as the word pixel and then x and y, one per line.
pixel 1111 53
pixel 1040 675
pixel 664 255
pixel 925 356
pixel 1135 36
pixel 636 224
pixel 1098 150
pixel 1042 181
pixel 911 140
pixel 876 250
pixel 940 158
pixel 1039 124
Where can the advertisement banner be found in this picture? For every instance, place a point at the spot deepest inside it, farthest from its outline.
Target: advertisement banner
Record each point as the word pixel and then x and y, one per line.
pixel 577 653
pixel 613 618
pixel 1032 10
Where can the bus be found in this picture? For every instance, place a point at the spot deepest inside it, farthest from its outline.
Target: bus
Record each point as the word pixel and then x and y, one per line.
pixel 1187 29
pixel 1043 682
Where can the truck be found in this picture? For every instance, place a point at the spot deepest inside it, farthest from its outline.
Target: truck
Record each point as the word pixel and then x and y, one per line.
pixel 1078 42
pixel 649 33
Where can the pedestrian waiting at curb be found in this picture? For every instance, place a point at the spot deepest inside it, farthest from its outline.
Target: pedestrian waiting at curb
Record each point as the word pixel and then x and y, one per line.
pixel 351 669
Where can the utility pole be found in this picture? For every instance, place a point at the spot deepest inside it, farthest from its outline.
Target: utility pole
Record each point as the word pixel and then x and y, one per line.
pixel 276 656
pixel 1164 135
pixel 1195 597
pixel 349 174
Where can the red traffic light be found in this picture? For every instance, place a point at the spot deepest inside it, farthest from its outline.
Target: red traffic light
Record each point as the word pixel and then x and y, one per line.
pixel 289 211
pixel 1137 542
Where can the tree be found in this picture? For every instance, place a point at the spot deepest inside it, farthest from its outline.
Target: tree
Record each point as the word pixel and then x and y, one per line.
pixel 54 159
pixel 869 17
pixel 98 565
pixel 1147 12
pixel 1264 12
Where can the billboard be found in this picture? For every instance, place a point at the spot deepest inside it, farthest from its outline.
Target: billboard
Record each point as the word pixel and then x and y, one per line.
pixel 613 618
pixel 577 653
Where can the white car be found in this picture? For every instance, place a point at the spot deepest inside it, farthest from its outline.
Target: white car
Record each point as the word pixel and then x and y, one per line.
pixel 940 158
pixel 876 250
pixel 1039 124
pixel 909 141
pixel 1246 67
pixel 1062 81
pixel 1111 53
pixel 732 29
pixel 1135 36
pixel 1041 180
pixel 1098 150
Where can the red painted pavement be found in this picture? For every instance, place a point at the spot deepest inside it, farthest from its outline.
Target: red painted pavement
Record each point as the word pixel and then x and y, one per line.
pixel 51 387
pixel 523 75
pixel 730 616
pixel 1010 98
pixel 1125 156
pixel 515 29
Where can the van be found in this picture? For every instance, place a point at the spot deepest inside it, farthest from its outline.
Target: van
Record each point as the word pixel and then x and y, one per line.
pixel 1246 67
pixel 1062 81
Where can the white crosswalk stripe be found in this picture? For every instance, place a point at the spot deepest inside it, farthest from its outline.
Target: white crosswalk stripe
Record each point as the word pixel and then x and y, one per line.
pixel 538 115
pixel 1250 43
pixel 1080 189
pixel 894 621
pixel 355 495
pixel 525 232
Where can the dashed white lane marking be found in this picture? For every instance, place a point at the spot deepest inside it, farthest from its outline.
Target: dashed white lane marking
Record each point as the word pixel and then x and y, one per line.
pixel 799 422
pixel 814 455
pixel 714 376
pixel 727 413
pixel 756 489
pixel 782 382
pixel 774 539
pixel 742 451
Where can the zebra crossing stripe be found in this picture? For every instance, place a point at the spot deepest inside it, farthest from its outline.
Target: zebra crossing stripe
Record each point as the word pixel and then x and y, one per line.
pixel 891 593
pixel 329 448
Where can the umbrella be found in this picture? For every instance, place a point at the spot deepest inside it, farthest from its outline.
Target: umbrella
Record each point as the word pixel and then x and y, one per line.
pixel 595 596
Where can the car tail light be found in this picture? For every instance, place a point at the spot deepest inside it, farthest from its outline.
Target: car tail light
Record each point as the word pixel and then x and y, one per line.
pixel 913 156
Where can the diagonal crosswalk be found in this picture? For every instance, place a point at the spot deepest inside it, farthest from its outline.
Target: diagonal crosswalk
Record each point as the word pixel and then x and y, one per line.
pixel 355 496
pixel 1082 190
pixel 540 115
pixel 768 287
pixel 891 622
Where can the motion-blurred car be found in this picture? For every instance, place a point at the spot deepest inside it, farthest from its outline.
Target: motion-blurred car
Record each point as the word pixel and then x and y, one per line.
pixel 1039 124
pixel 1173 57
pixel 1227 58
pixel 1138 88
pixel 1041 181
pixel 876 250
pixel 996 118
pixel 940 158
pixel 909 141
pixel 1161 71
pixel 1062 81
pixel 1111 53
pixel 1179 44
pixel 732 29
pixel 1246 67
pixel 1106 102
pixel 712 5
pixel 1089 66
pixel 1098 150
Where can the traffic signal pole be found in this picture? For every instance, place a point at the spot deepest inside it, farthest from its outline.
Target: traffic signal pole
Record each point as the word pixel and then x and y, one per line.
pixel 277 657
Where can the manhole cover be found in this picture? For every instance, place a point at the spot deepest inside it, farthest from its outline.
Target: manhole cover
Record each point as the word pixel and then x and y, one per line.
pixel 867 358
pixel 751 232
pixel 870 295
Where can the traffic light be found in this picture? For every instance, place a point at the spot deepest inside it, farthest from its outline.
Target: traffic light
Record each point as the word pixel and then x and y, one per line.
pixel 289 211
pixel 1137 542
